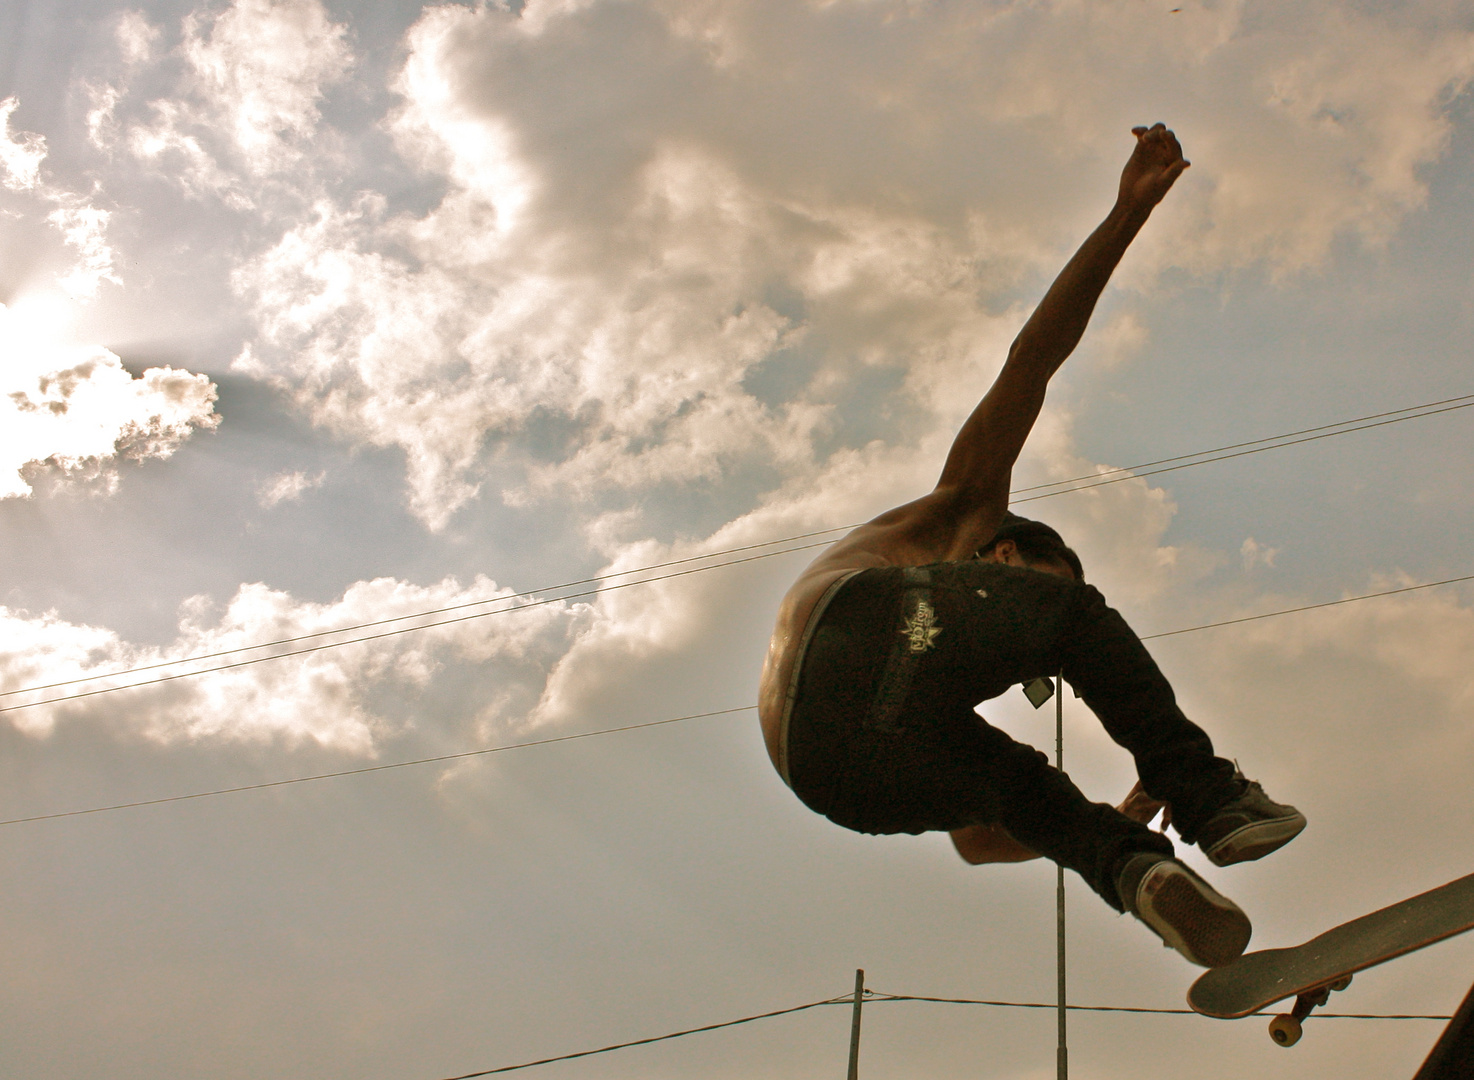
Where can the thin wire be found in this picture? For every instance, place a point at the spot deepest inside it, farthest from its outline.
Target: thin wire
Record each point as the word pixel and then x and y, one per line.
pixel 1030 1004
pixel 426 614
pixel 395 633
pixel 1131 470
pixel 1267 439
pixel 1367 1016
pixel 656 723
pixel 1242 453
pixel 375 768
pixel 875 997
pixel 1128 1009
pixel 846 1000
pixel 1309 607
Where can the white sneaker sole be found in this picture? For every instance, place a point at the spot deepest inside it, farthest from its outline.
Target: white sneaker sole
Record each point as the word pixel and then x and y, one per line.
pixel 1189 915
pixel 1255 840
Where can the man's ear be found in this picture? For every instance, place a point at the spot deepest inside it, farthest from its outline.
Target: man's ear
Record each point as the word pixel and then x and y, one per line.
pixel 1005 550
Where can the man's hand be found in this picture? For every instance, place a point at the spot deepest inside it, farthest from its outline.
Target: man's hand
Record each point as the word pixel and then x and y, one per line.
pixel 979 844
pixel 1139 806
pixel 1155 165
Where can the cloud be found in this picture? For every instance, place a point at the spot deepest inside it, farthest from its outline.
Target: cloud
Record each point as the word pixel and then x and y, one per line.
pixel 346 699
pixel 767 250
pixel 135 37
pixel 20 154
pixel 286 487
pixel 243 120
pixel 679 244
pixel 1302 698
pixel 83 226
pixel 1345 109
pixel 702 274
pixel 1119 339
pixel 637 382
pixel 260 71
pixel 74 410
pixel 1118 528
pixel 683 242
pixel 687 247
pixel 1255 554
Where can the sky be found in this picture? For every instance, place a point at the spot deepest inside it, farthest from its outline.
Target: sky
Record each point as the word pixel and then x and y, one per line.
pixel 323 315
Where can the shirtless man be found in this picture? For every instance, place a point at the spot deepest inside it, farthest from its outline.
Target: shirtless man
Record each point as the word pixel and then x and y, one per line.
pixel 889 640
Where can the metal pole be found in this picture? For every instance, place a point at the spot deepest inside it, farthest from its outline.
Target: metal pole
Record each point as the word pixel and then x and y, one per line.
pixel 855 1025
pixel 1062 1054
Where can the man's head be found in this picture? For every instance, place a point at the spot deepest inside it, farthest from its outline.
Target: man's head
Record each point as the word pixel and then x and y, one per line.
pixel 1022 542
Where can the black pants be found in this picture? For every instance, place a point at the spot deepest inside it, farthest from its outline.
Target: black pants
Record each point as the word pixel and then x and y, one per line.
pixel 883 737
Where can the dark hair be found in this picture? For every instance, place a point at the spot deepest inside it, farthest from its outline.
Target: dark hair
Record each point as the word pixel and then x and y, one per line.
pixel 1036 543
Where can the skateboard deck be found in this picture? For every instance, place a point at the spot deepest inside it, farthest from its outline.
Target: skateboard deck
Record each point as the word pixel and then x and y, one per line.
pixel 1309 972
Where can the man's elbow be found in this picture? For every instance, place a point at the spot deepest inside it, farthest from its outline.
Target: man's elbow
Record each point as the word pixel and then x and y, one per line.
pixel 1036 355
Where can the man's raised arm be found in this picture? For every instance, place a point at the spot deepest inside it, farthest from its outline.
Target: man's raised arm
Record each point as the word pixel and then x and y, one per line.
pixel 975 479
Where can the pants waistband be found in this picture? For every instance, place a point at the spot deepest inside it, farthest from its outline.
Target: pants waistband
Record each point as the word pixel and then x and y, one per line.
pixel 791 692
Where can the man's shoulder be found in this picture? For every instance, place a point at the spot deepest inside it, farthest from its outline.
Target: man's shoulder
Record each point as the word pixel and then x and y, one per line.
pixel 934 528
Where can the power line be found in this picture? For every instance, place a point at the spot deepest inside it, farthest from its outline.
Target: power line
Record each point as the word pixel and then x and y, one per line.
pixel 871 996
pixel 1310 607
pixel 1417 409
pixel 1132 474
pixel 1098 479
pixel 1131 1009
pixel 373 768
pixel 656 1038
pixel 395 633
pixel 662 577
pixel 426 614
pixel 650 723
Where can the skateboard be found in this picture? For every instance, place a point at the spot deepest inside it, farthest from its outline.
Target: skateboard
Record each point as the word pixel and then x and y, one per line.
pixel 1310 972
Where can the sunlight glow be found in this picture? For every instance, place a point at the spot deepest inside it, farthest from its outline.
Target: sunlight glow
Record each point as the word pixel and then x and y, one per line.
pixel 74 407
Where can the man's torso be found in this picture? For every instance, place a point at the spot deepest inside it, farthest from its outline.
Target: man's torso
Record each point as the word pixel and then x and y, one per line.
pixel 893 539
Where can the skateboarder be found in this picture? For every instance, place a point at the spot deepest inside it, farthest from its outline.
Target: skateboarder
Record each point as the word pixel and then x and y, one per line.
pixel 891 637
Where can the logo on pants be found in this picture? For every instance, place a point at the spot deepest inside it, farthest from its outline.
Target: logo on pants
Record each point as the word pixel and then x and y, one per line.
pixel 921 630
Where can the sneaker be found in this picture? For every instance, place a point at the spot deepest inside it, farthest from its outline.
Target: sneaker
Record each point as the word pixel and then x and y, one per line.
pixel 1182 909
pixel 1248 827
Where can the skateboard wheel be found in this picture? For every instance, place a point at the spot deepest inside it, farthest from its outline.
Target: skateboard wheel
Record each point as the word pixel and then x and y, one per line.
pixel 1341 984
pixel 1285 1030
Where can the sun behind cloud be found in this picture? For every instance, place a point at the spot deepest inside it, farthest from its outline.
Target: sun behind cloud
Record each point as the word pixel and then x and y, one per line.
pixel 74 409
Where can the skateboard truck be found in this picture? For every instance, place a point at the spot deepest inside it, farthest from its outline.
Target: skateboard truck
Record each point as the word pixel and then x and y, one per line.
pixel 1286 1029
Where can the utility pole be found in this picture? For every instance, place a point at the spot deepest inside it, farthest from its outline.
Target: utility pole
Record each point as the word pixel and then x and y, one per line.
pixel 855 1025
pixel 1062 1054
